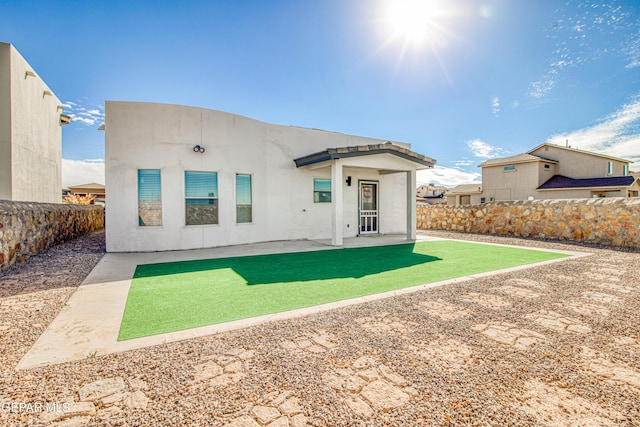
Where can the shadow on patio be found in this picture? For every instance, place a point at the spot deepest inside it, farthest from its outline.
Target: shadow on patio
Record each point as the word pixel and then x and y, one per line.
pixel 300 266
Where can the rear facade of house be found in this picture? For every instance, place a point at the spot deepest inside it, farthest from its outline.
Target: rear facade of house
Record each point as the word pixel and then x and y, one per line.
pixel 181 177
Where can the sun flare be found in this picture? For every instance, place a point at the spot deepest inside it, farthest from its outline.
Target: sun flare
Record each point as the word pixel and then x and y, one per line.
pixel 416 22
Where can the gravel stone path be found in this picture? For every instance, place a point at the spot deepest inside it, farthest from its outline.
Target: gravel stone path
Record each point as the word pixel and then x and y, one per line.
pixel 557 345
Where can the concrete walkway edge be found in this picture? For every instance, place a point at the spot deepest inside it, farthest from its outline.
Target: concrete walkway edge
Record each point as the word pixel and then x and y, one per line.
pixel 89 323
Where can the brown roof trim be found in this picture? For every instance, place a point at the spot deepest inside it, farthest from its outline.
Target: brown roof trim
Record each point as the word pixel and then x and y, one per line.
pixel 364 150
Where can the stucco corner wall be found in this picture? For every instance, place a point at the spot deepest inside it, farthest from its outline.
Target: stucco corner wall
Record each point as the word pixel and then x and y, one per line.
pixel 609 221
pixel 30 132
pixel 27 228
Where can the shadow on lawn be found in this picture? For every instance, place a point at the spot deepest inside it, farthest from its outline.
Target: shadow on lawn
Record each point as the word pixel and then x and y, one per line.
pixel 300 266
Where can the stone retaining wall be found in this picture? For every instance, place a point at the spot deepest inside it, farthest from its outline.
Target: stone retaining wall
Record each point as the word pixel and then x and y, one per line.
pixel 610 221
pixel 29 228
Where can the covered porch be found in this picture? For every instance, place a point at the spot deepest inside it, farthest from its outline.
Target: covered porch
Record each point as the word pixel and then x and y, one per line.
pixel 380 173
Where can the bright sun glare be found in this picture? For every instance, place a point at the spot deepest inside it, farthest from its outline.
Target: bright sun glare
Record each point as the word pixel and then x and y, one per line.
pixel 415 22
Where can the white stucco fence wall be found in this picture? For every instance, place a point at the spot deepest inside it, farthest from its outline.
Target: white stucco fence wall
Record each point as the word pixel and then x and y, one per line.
pixel 30 133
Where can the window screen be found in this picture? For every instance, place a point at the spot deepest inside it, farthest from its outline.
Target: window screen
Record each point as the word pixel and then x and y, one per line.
pixel 149 198
pixel 244 212
pixel 321 190
pixel 201 198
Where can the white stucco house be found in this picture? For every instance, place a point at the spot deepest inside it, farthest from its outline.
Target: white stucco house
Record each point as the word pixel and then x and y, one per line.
pixel 180 177
pixel 30 133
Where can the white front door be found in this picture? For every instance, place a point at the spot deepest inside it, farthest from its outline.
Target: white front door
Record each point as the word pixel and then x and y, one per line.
pixel 368 207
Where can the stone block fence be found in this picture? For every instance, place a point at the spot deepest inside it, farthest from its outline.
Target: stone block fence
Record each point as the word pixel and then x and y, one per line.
pixel 610 221
pixel 29 228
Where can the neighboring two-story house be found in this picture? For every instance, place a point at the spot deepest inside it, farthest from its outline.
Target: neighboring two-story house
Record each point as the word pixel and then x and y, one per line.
pixel 549 171
pixel 552 171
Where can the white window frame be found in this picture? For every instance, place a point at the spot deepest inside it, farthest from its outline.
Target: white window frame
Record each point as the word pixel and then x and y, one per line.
pixel 216 198
pixel 322 191
pixel 140 222
pixel 250 195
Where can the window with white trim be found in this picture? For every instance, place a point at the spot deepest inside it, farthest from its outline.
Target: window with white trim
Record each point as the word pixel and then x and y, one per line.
pixel 201 198
pixel 244 205
pixel 149 198
pixel 321 190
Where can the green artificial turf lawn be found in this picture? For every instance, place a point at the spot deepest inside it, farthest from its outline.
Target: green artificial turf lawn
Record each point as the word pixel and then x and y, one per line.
pixel 174 296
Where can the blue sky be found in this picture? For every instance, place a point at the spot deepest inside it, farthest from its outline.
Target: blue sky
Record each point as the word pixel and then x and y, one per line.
pixel 461 80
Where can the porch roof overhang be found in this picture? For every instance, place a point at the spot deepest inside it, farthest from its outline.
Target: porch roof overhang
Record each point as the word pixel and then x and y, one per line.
pixel 421 161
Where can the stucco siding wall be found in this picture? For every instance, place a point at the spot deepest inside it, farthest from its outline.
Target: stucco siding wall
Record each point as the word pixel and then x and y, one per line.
pixel 393 205
pixel 5 121
pixel 35 136
pixel 611 221
pixel 545 174
pixel 27 229
pixel 579 165
pixel 158 136
pixel 518 184
pixel 578 194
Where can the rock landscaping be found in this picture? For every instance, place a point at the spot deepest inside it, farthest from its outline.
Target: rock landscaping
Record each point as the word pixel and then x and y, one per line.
pixel 605 221
pixel 555 345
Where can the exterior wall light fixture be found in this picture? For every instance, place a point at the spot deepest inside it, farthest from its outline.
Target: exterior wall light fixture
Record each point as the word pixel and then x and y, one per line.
pixel 65 119
pixel 198 149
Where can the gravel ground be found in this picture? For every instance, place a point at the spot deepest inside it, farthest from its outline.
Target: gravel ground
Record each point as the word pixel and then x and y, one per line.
pixel 553 345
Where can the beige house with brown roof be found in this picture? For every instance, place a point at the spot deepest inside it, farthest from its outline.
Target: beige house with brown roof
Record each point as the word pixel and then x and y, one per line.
pixel 551 171
pixel 465 194
pixel 94 189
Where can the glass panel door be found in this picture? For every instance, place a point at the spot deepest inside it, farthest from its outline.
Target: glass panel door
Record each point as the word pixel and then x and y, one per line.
pixel 368 207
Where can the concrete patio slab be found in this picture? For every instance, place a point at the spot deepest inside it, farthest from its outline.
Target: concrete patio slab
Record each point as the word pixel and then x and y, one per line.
pixel 89 323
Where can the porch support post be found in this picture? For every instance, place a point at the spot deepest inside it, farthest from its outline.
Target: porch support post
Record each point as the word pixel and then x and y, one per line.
pixel 336 203
pixel 411 204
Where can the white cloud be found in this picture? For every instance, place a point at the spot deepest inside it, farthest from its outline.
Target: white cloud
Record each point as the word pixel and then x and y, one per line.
pixel 88 115
pixel 85 120
pixel 495 105
pixel 78 172
pixel 481 149
pixel 633 52
pixel 449 177
pixel 463 162
pixel 617 135
pixel 584 34
pixel 541 88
